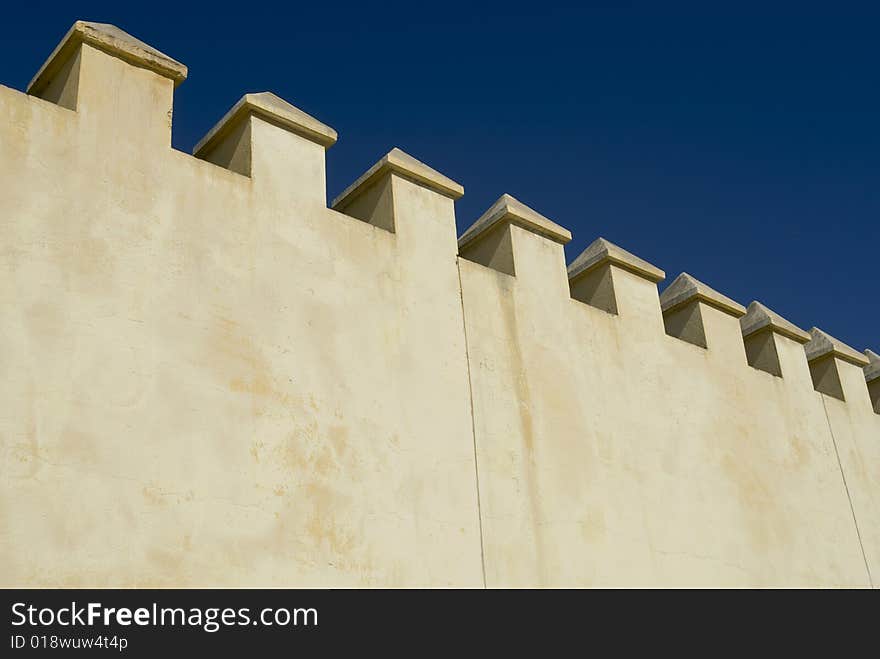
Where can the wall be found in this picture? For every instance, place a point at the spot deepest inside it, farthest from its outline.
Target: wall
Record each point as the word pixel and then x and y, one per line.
pixel 213 379
pixel 612 454
pixel 208 377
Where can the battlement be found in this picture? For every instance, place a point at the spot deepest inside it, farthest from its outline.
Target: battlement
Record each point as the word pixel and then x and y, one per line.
pixel 108 39
pixel 357 396
pixel 872 377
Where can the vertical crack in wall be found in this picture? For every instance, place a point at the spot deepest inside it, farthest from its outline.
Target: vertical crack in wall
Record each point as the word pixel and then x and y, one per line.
pixel 467 359
pixel 848 495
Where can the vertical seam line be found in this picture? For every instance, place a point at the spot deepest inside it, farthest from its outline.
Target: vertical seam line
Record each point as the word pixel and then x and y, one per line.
pixel 852 509
pixel 467 359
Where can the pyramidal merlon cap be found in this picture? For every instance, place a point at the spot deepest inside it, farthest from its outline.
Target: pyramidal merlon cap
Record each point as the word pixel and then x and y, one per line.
pixel 686 289
pixel 275 110
pixel 759 318
pixel 872 370
pixel 403 164
pixel 822 344
pixel 113 41
pixel 510 209
pixel 602 251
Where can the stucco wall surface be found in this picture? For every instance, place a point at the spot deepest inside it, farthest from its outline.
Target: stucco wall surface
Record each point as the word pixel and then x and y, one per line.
pixel 613 454
pixel 210 378
pixel 213 379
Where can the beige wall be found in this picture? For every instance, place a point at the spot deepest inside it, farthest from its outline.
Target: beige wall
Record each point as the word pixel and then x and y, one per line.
pixel 612 454
pixel 211 379
pixel 208 378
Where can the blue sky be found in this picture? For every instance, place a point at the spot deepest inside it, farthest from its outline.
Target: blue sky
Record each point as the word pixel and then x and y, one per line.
pixel 739 144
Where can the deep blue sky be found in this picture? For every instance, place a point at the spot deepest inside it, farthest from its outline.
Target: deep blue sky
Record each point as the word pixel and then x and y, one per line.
pixel 740 144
